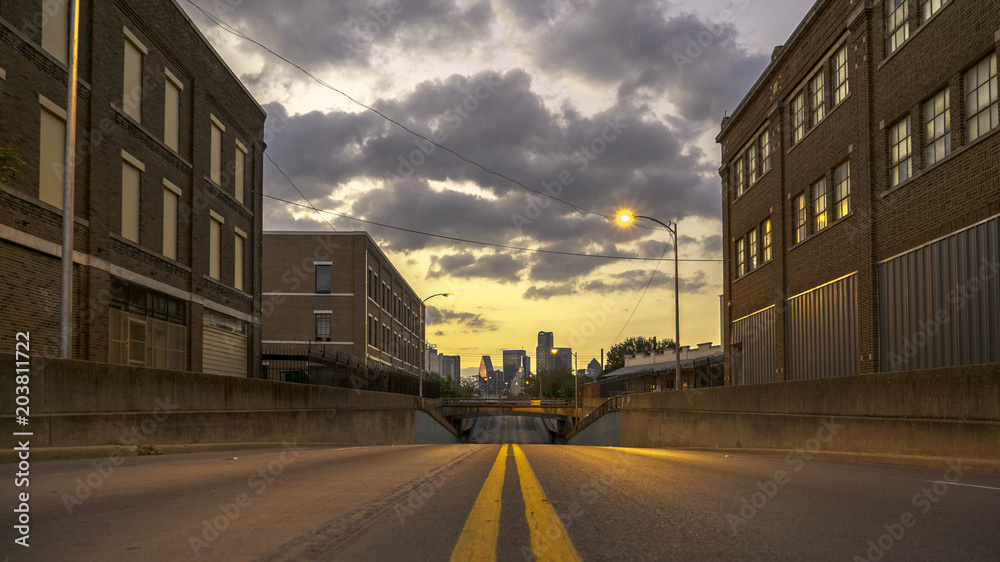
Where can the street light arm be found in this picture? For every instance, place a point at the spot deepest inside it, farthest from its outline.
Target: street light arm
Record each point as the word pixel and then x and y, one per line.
pixel 671 229
pixel 449 295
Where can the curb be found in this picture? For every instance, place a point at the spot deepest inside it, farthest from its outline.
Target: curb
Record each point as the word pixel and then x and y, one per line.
pixel 977 465
pixel 99 451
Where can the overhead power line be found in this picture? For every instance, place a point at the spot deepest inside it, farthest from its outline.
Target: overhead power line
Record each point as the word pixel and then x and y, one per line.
pixel 234 31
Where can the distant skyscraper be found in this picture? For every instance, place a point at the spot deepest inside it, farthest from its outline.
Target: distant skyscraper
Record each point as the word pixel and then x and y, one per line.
pixel 516 366
pixel 561 359
pixel 594 369
pixel 543 352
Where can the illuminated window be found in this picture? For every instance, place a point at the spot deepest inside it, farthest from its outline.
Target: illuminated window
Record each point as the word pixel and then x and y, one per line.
pixel 741 268
pixel 819 204
pixel 739 178
pixel 171 198
pixel 981 98
pixel 132 83
pixel 216 151
pixel 52 153
pixel 171 110
pixel 841 86
pixel 897 29
pixel 765 151
pixel 798 117
pixel 899 152
pixel 55 29
pixel 752 250
pixel 751 159
pixel 816 87
pixel 937 127
pixel 929 8
pixel 842 190
pixel 131 181
pixel 801 225
pixel 765 236
pixel 214 242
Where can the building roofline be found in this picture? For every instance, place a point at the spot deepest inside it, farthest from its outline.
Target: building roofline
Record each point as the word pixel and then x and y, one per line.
pixel 208 43
pixel 775 61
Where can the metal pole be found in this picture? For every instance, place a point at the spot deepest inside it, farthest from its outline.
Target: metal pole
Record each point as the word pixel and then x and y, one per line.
pixel 576 385
pixel 66 293
pixel 677 319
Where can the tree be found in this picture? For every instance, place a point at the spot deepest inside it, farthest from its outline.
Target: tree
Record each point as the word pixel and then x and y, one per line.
pixel 10 164
pixel 634 346
pixel 448 388
pixel 556 383
pixel 468 389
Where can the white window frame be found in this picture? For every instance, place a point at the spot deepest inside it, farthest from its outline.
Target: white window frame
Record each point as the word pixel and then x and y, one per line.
pixel 842 190
pixel 897 24
pixel 937 127
pixel 800 215
pixel 798 114
pixel 900 151
pixel 841 71
pixel 818 194
pixel 981 103
pixel 817 98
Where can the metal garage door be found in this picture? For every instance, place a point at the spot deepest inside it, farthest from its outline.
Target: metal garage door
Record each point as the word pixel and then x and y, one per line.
pixel 224 349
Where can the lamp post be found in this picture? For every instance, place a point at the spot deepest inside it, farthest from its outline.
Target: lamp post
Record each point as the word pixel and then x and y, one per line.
pixel 672 229
pixel 576 380
pixel 421 369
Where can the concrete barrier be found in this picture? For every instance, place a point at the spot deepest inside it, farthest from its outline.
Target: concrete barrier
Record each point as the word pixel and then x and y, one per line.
pixel 944 413
pixel 86 404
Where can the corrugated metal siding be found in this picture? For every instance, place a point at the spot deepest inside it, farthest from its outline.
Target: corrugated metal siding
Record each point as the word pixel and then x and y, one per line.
pixel 756 333
pixel 822 338
pixel 939 305
pixel 224 353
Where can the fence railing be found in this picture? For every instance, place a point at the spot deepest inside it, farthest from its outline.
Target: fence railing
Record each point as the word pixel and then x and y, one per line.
pixel 612 404
pixel 506 402
pixel 307 365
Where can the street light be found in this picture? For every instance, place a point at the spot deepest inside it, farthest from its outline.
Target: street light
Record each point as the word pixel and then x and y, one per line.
pixel 576 382
pixel 421 370
pixel 626 217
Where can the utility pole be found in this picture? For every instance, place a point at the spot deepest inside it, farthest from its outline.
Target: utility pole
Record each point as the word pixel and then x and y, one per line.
pixel 69 177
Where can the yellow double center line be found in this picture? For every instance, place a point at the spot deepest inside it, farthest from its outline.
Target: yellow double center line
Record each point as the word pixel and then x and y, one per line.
pixel 549 539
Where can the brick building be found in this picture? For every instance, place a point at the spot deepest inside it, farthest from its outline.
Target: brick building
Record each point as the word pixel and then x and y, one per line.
pixel 168 189
pixel 861 195
pixel 337 290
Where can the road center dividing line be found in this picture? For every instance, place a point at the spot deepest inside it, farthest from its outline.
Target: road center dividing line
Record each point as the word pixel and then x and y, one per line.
pixel 478 541
pixel 549 539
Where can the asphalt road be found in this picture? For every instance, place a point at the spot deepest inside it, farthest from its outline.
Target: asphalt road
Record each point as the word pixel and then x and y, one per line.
pixel 466 502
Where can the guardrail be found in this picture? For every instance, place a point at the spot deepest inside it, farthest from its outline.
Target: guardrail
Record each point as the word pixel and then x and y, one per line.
pixel 506 402
pixel 612 404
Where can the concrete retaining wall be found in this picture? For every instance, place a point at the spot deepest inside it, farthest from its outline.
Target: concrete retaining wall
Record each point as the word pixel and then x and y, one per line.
pixel 946 412
pixel 81 403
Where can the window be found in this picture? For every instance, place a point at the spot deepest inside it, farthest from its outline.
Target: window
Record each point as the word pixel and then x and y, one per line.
pixel 751 159
pixel 752 247
pixel 765 238
pixel 937 123
pixel 52 151
pixel 896 28
pixel 323 279
pixel 132 83
pixel 146 328
pixel 899 152
pixel 214 241
pixel 819 204
pixel 929 8
pixel 818 101
pixel 841 87
pixel 239 243
pixel 800 218
pixel 239 167
pixel 323 326
pixel 171 197
pixel 131 187
pixel 764 140
pixel 216 155
pixel 171 110
pixel 738 177
pixel 55 30
pixel 741 268
pixel 981 97
pixel 842 190
pixel 798 117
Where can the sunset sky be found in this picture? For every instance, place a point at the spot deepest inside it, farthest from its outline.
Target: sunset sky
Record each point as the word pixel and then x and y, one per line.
pixel 605 105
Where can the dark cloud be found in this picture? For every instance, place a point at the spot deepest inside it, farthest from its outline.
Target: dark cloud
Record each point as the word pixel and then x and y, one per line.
pixel 637 279
pixel 467 320
pixel 501 268
pixel 544 293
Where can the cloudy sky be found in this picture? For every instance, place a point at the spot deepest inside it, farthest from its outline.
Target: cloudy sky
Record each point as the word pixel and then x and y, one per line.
pixel 570 111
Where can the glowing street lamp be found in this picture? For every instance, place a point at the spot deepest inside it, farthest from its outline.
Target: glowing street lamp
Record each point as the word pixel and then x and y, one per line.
pixel 672 229
pixel 421 370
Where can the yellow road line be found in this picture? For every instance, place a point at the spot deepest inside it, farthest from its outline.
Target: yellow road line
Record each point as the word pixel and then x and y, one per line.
pixel 549 539
pixel 478 540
